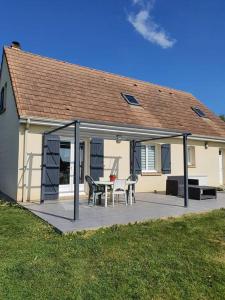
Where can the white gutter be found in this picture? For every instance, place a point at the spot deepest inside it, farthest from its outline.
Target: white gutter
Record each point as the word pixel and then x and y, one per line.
pixel 207 138
pixel 118 129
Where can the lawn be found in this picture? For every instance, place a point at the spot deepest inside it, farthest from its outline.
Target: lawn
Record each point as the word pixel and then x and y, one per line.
pixel 182 258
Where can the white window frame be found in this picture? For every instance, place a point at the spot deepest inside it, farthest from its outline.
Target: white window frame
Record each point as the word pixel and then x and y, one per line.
pixel 67 189
pixel 191 156
pixel 146 158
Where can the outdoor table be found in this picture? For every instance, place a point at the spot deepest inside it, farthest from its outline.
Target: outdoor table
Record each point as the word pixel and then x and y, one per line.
pixel 107 184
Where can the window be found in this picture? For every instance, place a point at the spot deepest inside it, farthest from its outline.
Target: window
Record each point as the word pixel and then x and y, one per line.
pixel 148 158
pixel 191 156
pixel 198 111
pixel 130 99
pixel 2 99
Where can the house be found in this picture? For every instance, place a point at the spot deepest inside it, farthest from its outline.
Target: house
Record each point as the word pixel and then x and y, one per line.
pixel 39 94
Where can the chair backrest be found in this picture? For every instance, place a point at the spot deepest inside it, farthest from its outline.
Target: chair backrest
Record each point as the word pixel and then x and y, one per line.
pixel 133 177
pixel 92 185
pixel 119 185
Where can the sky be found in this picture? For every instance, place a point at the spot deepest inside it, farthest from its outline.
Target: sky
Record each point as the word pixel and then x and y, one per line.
pixel 176 43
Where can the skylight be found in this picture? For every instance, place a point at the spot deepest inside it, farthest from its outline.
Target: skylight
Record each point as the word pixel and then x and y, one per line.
pixel 198 111
pixel 130 99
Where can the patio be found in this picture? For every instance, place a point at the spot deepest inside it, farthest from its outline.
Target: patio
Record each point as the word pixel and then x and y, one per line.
pixel 148 206
pixel 76 130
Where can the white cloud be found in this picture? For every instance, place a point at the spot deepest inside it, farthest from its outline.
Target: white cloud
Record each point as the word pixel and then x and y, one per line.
pixel 137 2
pixel 146 26
pixel 144 3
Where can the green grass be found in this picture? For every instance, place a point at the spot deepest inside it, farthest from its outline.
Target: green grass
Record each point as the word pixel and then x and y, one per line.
pixel 181 258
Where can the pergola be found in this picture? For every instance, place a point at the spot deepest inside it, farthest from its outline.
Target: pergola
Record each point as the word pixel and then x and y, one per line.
pixel 79 129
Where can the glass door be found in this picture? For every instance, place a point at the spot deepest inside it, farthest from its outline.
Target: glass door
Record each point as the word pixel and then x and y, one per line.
pixel 67 167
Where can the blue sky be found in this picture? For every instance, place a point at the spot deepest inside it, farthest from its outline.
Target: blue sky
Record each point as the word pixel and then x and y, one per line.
pixel 176 43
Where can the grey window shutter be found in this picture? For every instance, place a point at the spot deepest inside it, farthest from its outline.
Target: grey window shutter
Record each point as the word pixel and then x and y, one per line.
pixel 50 167
pixel 97 158
pixel 166 158
pixel 137 158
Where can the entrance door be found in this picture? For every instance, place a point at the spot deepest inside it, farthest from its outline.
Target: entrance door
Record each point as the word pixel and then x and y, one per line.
pixel 221 168
pixel 66 176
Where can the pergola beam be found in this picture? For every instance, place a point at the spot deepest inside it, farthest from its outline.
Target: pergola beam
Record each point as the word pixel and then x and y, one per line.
pixel 164 137
pixel 185 159
pixel 133 157
pixel 76 176
pixel 76 172
pixel 61 127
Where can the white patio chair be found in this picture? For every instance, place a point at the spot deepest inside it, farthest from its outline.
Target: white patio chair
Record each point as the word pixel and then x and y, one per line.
pixel 119 188
pixel 132 177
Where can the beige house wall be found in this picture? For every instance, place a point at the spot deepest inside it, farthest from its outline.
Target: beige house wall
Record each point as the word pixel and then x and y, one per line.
pixel 9 128
pixel 30 160
pixel 223 171
pixel 207 164
pixel 116 161
pixel 223 151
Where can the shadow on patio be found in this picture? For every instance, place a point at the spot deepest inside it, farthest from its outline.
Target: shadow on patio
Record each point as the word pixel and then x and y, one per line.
pixel 148 206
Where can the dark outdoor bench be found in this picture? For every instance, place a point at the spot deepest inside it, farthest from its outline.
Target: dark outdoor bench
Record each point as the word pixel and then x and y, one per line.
pixel 202 192
pixel 175 187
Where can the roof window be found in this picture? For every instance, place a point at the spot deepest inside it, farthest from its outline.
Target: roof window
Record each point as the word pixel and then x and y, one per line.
pixel 198 111
pixel 130 99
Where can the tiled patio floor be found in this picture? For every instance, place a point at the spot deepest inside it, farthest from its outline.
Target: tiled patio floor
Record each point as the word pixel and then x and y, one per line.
pixel 148 206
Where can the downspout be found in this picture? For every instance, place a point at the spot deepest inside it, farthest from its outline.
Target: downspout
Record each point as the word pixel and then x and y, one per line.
pixel 25 161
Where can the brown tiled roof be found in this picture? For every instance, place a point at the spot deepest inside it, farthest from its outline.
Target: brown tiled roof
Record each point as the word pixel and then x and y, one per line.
pixel 52 89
